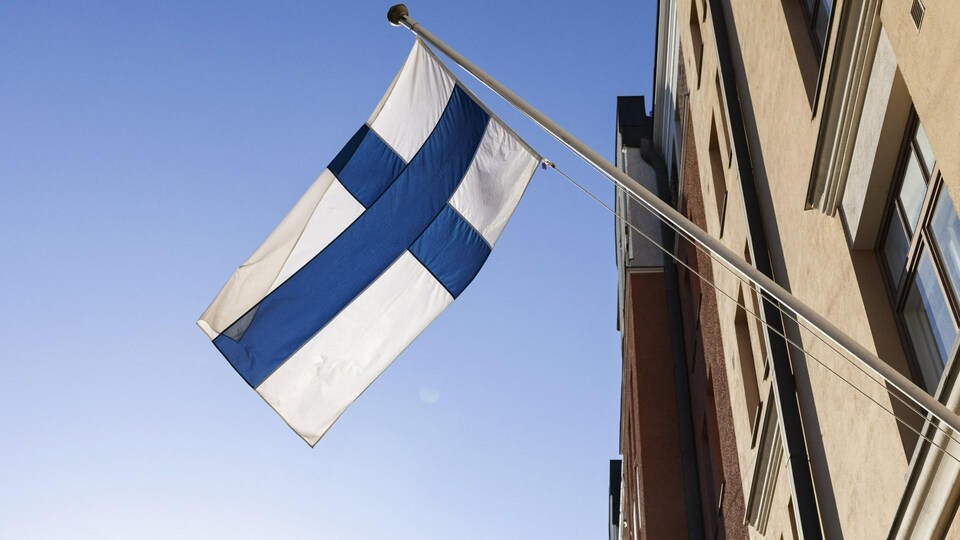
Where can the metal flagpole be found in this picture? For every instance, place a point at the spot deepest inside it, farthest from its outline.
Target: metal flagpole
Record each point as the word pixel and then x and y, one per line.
pixel 398 15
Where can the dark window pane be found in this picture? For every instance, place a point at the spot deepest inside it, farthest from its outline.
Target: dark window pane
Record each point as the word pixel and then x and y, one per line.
pixel 946 234
pixel 895 247
pixel 929 323
pixel 912 191
pixel 820 24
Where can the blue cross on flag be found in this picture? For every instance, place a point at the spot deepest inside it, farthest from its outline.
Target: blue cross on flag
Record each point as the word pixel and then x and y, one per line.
pixel 381 243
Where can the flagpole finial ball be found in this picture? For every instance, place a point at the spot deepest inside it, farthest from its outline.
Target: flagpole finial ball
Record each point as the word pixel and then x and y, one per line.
pixel 397 13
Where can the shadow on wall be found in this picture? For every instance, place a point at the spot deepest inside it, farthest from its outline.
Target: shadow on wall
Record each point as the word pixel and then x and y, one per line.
pixel 808 61
pixel 886 340
pixel 820 470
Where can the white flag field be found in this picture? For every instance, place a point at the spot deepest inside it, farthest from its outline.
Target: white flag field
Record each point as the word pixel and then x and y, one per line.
pixel 393 230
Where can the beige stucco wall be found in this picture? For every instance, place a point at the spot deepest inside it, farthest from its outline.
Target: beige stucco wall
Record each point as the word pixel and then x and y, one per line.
pixel 929 60
pixel 859 453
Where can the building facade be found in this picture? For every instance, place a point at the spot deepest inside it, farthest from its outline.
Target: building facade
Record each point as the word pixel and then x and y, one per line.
pixel 819 139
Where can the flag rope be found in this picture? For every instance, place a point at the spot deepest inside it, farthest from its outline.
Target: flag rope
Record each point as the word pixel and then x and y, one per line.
pixel 754 315
pixel 399 16
pixel 909 404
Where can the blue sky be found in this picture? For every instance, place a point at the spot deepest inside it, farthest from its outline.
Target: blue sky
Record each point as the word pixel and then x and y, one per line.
pixel 147 148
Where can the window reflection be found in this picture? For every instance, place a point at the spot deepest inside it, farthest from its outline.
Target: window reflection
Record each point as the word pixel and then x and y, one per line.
pixel 912 192
pixel 821 22
pixel 923 145
pixel 818 20
pixel 946 235
pixel 929 322
pixel 895 248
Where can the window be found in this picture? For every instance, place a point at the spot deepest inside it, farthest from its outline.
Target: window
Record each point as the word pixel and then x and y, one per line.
pixel 697 39
pixel 818 21
pixel 723 120
pixel 920 250
pixel 766 470
pixel 717 171
pixel 710 461
pixel 808 50
pixel 747 363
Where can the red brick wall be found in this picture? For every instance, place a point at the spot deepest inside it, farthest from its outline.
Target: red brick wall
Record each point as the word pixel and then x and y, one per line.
pixel 709 389
pixel 650 432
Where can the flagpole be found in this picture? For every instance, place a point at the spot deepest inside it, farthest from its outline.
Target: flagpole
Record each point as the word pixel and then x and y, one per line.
pixel 399 15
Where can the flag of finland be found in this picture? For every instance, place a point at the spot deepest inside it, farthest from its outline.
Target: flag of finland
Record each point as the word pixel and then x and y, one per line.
pixel 388 236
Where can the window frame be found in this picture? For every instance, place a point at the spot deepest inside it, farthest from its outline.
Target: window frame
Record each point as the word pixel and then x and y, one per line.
pixel 696 39
pixel 811 19
pixel 822 84
pixel 919 242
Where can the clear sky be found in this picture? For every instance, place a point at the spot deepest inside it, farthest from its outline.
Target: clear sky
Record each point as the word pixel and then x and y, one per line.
pixel 146 149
